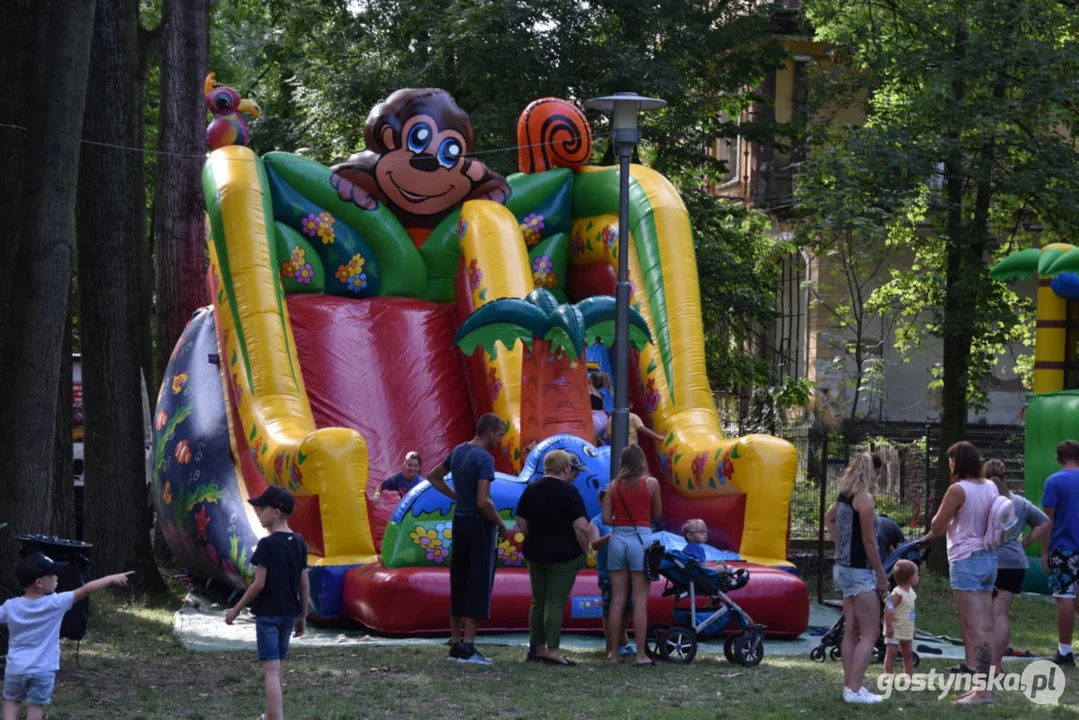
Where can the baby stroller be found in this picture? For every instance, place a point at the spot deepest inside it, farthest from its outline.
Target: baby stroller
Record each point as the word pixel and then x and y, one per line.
pixel 831 642
pixel 686 578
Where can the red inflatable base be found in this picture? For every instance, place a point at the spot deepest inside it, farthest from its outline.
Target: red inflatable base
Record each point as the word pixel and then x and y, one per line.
pixel 415 601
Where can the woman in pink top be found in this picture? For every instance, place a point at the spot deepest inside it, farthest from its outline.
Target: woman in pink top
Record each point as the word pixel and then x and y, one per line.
pixel 964 517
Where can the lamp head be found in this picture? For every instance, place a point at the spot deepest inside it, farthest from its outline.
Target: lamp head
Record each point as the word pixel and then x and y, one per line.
pixel 624 108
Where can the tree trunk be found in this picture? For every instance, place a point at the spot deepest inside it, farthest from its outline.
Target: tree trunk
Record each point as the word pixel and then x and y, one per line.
pixel 554 395
pixel 16 57
pixel 179 205
pixel 117 521
pixel 39 294
pixel 146 49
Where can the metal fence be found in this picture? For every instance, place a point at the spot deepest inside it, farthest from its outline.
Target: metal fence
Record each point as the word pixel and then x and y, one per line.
pixel 909 452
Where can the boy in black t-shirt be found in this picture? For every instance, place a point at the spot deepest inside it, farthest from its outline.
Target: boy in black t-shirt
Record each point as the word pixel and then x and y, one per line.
pixel 279 594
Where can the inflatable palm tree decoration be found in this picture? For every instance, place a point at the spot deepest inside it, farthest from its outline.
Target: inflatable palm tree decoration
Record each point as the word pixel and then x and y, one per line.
pixel 554 376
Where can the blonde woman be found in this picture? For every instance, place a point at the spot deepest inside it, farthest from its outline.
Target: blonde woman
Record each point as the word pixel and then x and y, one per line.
pixel 858 573
pixel 629 506
pixel 552 516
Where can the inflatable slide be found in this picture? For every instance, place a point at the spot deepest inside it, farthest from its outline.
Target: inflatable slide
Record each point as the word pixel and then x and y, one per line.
pixel 381 306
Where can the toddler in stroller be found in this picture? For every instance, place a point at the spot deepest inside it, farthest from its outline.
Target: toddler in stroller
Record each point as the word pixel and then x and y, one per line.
pixel 832 641
pixel 686 578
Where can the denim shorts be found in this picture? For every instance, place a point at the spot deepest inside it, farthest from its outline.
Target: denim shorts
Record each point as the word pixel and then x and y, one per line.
pixel 273 633
pixel 31 688
pixel 626 551
pixel 976 572
pixel 853 581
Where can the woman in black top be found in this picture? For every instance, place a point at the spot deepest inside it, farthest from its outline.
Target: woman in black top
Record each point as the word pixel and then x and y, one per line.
pixel 552 516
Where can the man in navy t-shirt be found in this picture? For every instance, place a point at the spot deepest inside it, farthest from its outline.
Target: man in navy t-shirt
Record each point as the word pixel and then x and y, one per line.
pixel 1060 556
pixel 475 519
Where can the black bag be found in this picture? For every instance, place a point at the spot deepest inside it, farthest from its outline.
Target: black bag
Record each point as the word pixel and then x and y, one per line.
pixel 77 555
pixel 653 554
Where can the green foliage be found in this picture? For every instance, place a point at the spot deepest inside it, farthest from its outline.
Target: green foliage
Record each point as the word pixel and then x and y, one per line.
pixel 967 140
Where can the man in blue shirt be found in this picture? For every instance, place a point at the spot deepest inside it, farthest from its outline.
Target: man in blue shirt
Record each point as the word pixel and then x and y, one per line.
pixel 475 519
pixel 1060 556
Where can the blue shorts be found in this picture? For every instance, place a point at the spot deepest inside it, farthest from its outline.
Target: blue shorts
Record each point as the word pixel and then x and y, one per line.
pixel 853 581
pixel 974 573
pixel 626 551
pixel 31 688
pixel 273 633
pixel 604 581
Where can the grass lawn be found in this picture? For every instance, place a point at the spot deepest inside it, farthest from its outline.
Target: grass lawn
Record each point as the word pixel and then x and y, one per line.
pixel 131 666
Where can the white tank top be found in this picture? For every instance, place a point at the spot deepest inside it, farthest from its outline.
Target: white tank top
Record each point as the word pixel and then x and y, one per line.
pixel 966 531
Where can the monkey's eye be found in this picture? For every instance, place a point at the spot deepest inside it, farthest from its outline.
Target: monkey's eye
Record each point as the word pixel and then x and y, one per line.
pixel 223 101
pixel 449 152
pixel 419 137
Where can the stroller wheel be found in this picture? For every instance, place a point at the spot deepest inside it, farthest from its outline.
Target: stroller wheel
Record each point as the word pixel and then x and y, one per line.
pixel 749 649
pixel 678 645
pixel 915 658
pixel 816 654
pixel 835 653
pixel 728 647
pixel 654 633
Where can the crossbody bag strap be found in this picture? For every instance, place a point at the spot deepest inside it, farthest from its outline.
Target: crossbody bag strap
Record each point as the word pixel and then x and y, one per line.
pixel 629 515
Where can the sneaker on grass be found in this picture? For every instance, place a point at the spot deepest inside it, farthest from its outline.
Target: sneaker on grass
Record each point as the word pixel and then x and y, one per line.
pixel 469 654
pixel 1062 659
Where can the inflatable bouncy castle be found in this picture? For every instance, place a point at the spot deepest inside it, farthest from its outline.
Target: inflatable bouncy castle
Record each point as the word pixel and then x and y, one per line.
pixel 381 306
pixel 1052 411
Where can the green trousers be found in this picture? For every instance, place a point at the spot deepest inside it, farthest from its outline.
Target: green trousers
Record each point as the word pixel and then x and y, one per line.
pixel 551 585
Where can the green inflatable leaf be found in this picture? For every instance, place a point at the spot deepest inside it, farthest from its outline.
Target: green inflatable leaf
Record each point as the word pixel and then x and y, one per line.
pixel 1017 265
pixel 1068 262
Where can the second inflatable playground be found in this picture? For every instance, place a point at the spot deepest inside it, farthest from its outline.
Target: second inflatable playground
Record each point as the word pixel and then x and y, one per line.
pixel 381 306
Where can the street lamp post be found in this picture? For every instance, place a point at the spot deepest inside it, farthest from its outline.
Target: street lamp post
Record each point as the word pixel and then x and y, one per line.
pixel 623 108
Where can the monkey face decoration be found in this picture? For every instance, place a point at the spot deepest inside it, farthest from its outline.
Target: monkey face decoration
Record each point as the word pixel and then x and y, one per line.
pixel 415 162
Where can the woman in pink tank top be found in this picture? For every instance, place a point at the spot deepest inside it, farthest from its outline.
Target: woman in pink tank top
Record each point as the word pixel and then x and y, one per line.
pixel 964 517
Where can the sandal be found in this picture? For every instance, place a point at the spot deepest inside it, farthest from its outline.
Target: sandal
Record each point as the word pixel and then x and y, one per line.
pixel 961 668
pixel 552 661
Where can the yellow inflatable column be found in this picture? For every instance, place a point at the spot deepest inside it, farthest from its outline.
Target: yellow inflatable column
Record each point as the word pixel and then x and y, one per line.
pixel 496 266
pixel 275 416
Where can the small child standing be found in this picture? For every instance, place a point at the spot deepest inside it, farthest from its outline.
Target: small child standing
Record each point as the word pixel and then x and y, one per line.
pixel 899 618
pixel 33 621
pixel 279 594
pixel 599 536
pixel 695 532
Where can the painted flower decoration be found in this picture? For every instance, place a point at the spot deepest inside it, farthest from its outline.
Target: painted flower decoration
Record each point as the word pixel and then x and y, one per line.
pixel 532 229
pixel 444 531
pixel 425 537
pixel 437 554
pixel 462 228
pixel 279 464
pixel 576 244
pixel 303 274
pixel 325 228
pixel 178 381
pixel 728 466
pixel 543 272
pixel 166 493
pixel 698 465
pixel 509 554
pixel 494 383
pixel 475 275
pixel 352 275
pixel 652 395
pixel 310 225
pixel 609 235
pixel 295 474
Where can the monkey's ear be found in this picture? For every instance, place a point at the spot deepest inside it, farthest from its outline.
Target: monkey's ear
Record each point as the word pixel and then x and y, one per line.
pixel 387 137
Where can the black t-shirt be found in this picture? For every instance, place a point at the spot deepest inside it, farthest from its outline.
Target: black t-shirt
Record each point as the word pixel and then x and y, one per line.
pixel 597 402
pixel 284 555
pixel 889 536
pixel 550 506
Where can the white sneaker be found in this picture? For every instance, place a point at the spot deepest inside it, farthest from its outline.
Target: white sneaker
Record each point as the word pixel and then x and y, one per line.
pixel 870 697
pixel 862 697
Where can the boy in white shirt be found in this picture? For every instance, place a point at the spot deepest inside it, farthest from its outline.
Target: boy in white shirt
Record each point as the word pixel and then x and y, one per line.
pixel 33 621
